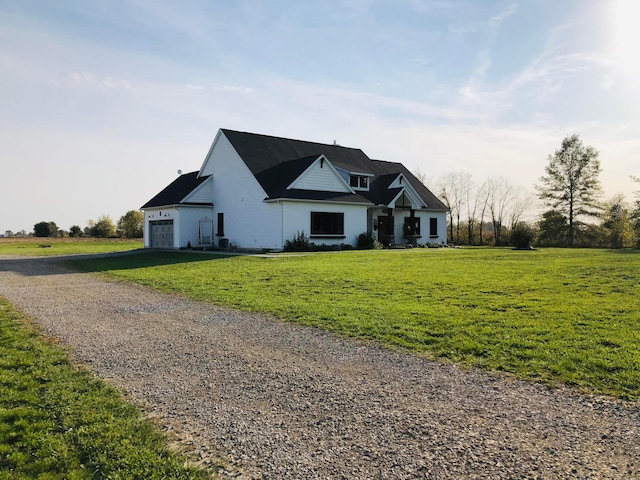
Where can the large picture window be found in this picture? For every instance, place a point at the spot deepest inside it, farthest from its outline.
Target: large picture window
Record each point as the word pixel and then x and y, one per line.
pixel 327 223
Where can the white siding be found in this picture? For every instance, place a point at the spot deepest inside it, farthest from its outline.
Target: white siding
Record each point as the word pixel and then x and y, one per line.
pixel 202 194
pixel 298 218
pixel 189 224
pixel 248 221
pixel 442 228
pixel 156 214
pixel 425 224
pixel 322 177
pixel 186 222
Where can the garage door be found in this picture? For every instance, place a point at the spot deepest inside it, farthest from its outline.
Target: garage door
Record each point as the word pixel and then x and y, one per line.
pixel 161 233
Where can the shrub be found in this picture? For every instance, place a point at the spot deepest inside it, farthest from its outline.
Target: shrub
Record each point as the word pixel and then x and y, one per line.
pixel 522 236
pixel 366 241
pixel 300 243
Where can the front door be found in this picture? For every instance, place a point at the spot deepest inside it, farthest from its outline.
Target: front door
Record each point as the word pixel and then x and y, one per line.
pixel 385 230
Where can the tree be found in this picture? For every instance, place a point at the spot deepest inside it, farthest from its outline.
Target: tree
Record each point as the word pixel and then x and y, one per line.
pixel 501 192
pixel 635 215
pixel 75 231
pixel 522 236
pixel 131 224
pixel 616 222
pixel 451 192
pixel 553 229
pixel 474 198
pixel 103 227
pixel 45 229
pixel 571 184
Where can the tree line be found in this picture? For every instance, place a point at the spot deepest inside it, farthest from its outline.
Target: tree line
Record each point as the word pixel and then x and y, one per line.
pixel 129 225
pixel 493 211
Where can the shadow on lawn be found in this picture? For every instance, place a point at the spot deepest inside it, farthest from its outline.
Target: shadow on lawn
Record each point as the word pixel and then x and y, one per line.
pixel 625 251
pixel 102 262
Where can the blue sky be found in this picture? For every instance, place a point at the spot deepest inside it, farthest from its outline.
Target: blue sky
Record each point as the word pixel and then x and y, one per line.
pixel 103 101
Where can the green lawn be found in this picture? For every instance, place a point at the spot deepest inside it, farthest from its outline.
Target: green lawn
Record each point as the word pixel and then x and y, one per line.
pixel 65 246
pixel 59 422
pixel 554 316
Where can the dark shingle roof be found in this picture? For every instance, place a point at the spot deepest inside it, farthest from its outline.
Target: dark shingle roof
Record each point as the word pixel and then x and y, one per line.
pixel 176 191
pixel 276 162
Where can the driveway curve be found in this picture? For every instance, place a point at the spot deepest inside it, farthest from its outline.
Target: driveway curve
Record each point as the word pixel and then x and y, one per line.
pixel 272 400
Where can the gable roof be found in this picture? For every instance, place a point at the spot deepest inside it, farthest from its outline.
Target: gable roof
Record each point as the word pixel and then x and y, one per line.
pixel 277 162
pixel 177 190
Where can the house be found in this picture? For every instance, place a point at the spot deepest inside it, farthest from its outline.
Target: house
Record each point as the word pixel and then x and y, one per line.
pixel 257 191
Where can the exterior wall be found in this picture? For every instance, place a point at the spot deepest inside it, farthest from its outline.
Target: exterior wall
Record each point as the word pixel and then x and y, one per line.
pixel 188 227
pixel 425 221
pixel 153 214
pixel 398 224
pixel 249 222
pixel 320 176
pixel 298 218
pixel 442 227
pixel 186 222
pixel 202 194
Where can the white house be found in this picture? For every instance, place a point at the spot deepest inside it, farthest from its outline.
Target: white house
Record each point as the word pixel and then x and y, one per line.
pixel 257 191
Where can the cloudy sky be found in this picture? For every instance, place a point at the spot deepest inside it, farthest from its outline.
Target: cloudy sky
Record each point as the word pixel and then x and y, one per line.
pixel 103 101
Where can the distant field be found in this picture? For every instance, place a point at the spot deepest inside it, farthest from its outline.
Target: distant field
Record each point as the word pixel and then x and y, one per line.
pixel 64 246
pixel 553 316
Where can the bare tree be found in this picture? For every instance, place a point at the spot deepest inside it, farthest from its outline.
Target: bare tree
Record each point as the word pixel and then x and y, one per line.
pixel 484 194
pixel 521 201
pixel 451 188
pixel 475 196
pixel 500 194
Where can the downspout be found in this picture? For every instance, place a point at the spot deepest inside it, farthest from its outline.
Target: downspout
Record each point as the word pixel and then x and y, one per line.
pixel 282 224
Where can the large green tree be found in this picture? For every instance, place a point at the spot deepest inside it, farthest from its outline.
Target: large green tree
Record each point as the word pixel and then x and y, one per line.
pixel 553 229
pixel 103 227
pixel 45 229
pixel 75 231
pixel 571 184
pixel 131 224
pixel 616 222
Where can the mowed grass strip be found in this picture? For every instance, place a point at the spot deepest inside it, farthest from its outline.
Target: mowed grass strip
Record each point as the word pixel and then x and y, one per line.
pixel 557 316
pixel 65 246
pixel 58 422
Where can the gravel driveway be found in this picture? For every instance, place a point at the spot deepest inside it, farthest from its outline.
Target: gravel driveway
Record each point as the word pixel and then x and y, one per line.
pixel 280 401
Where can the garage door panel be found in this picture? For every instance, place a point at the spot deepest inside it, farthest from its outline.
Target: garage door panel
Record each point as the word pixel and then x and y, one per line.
pixel 161 233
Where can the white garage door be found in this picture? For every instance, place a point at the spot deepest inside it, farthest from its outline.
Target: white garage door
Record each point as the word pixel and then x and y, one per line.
pixel 161 233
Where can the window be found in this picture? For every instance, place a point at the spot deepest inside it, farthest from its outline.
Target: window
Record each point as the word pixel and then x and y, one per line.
pixel 325 223
pixel 359 182
pixel 433 227
pixel 411 226
pixel 220 225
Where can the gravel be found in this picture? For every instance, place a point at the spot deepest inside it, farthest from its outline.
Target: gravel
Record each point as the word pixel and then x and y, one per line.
pixel 252 397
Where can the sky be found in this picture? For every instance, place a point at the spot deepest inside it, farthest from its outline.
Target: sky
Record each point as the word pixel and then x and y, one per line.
pixel 103 101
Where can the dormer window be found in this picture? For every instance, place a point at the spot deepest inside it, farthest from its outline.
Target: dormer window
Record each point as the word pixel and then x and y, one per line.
pixel 359 182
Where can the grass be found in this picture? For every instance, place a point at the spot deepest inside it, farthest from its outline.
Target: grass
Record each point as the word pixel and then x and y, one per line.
pixel 59 422
pixel 557 316
pixel 65 246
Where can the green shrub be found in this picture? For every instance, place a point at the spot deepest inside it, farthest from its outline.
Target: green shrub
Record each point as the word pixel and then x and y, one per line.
pixel 522 236
pixel 366 241
pixel 300 243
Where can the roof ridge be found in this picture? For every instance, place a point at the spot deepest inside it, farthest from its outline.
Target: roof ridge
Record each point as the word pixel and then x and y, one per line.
pixel 227 130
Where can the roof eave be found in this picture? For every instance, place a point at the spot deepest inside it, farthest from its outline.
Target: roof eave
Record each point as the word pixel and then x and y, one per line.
pixel 306 200
pixel 175 205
